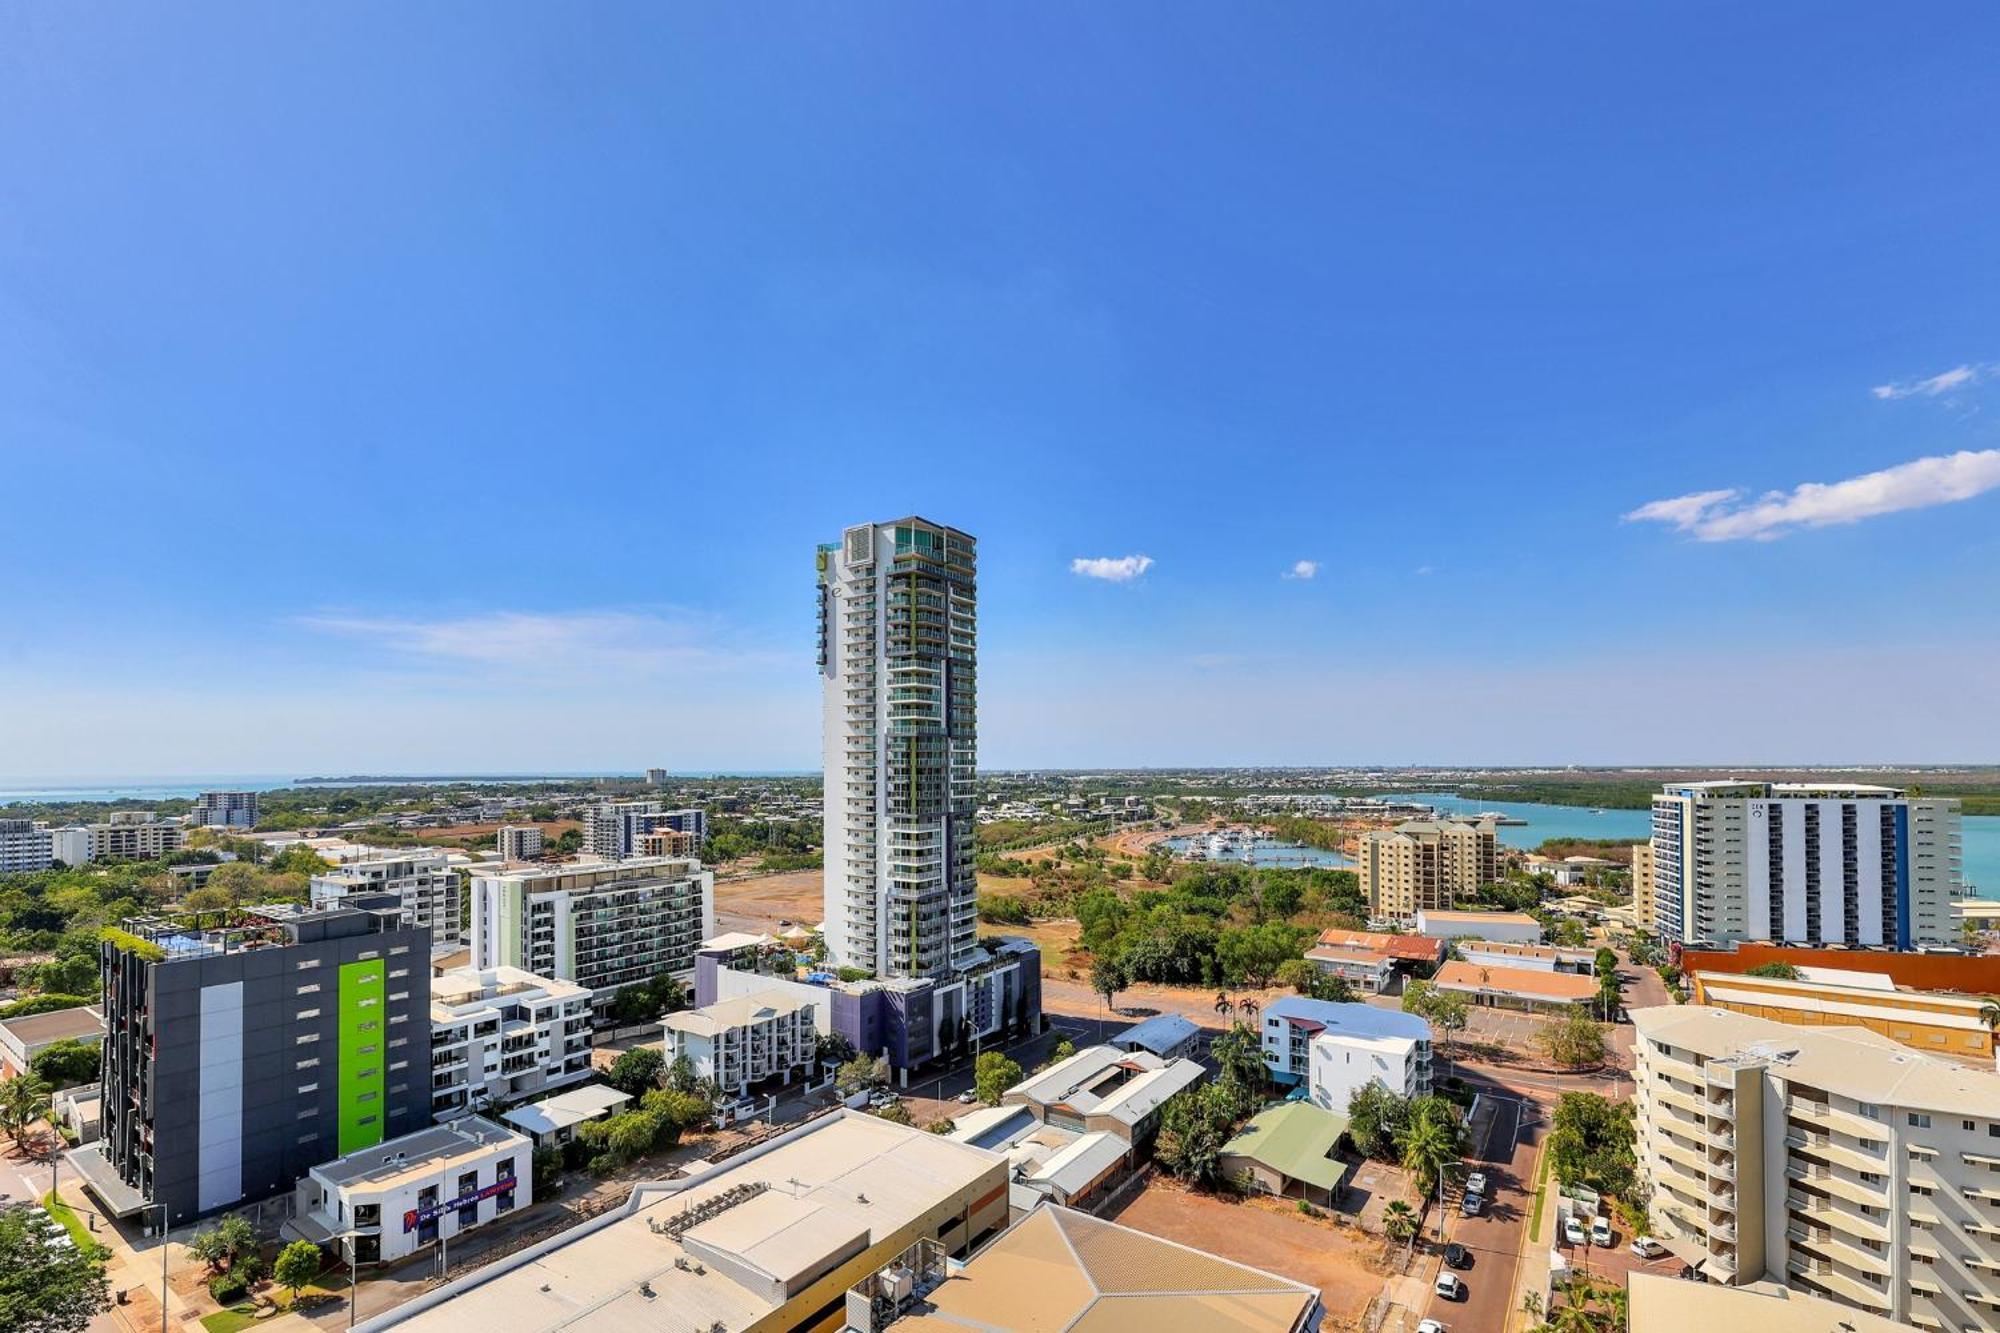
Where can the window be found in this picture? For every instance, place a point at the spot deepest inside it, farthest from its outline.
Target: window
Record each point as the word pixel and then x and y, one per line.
pixel 1919 1120
pixel 304 1014
pixel 1969 1126
pixel 308 990
pixel 310 1062
pixel 310 1087
pixel 399 972
pixel 305 964
pixel 306 1039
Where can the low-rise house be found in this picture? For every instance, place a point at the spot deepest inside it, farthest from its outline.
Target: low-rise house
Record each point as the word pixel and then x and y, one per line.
pixel 1455 925
pixel 1534 957
pixel 1291 1150
pixel 1104 1088
pixel 1421 950
pixel 1364 969
pixel 741 1043
pixel 405 1194
pixel 1169 1036
pixel 553 1121
pixel 1516 987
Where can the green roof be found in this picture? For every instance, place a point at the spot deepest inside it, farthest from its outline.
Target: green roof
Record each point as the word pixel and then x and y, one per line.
pixel 1295 1138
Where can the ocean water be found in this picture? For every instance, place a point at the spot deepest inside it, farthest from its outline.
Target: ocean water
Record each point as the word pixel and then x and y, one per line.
pixel 1277 854
pixel 1980 833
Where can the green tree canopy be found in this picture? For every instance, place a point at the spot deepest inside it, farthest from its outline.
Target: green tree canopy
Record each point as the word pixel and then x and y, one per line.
pixel 637 1070
pixel 298 1264
pixel 45 1289
pixel 992 1074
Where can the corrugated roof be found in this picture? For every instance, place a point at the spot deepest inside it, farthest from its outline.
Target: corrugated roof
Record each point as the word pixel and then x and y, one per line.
pixel 1296 1139
pixel 1479 977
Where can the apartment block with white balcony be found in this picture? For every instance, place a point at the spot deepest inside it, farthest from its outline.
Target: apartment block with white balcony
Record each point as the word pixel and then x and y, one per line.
pixel 1804 863
pixel 1836 1161
pixel 898 628
pixel 604 925
pixel 500 1035
pixel 24 845
pixel 518 842
pixel 1337 1049
pixel 427 889
pixel 753 1039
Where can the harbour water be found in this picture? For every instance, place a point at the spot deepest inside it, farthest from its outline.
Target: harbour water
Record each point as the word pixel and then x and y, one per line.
pixel 1980 833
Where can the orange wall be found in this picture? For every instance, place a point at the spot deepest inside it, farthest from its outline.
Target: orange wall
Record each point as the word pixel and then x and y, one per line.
pixel 1974 974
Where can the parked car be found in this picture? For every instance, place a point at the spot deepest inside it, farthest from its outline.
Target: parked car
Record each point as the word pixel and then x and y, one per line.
pixel 1572 1230
pixel 1430 1326
pixel 1476 1183
pixel 968 1097
pixel 1600 1231
pixel 1457 1256
pixel 1450 1286
pixel 1648 1248
pixel 1470 1205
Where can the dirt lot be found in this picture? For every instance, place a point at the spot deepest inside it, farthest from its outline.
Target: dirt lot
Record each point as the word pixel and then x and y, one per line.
pixel 1339 1263
pixel 758 904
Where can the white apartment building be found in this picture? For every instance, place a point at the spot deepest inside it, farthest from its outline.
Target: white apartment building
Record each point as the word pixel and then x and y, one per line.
pixel 1804 863
pixel 1337 1049
pixel 1834 1160
pixel 748 1040
pixel 24 845
pixel 129 835
pixel 601 924
pixel 501 1034
pixel 1425 864
pixel 406 1194
pixel 423 881
pixel 224 809
pixel 519 842
pixel 613 830
pixel 897 648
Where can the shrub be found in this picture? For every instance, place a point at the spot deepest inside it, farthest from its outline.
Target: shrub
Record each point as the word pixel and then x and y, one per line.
pixel 228 1288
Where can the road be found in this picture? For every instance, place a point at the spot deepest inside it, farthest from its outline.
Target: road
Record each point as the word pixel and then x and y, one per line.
pixel 1494 1237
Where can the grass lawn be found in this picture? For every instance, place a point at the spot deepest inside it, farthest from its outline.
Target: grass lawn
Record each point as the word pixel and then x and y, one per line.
pixel 73 1224
pixel 1541 1193
pixel 233 1320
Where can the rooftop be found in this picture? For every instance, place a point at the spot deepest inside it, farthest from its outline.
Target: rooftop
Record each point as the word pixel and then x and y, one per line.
pixel 1297 1139
pixel 1161 1032
pixel 1357 1021
pixel 1058 1269
pixel 1409 948
pixel 1482 978
pixel 78 1024
pixel 1661 1304
pixel 1366 957
pixel 1487 918
pixel 566 1110
pixel 1853 1061
pixel 722 1015
pixel 424 1153
pixel 1103 1080
pixel 468 986
pixel 781 1217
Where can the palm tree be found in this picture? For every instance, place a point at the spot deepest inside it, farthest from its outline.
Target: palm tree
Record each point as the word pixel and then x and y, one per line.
pixel 1399 1222
pixel 23 1101
pixel 1989 1014
pixel 1223 1006
pixel 1248 1006
pixel 1429 1143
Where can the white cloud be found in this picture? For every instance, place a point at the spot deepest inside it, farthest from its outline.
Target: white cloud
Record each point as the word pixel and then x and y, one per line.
pixel 1713 516
pixel 565 641
pixel 1302 569
pixel 1112 569
pixel 1423 571
pixel 1958 377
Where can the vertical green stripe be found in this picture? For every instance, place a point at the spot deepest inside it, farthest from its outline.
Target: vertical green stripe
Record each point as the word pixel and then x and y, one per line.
pixel 363 1047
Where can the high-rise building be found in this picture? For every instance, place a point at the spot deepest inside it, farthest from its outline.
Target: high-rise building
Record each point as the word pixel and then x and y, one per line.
pixel 604 925
pixel 224 809
pixel 24 845
pixel 243 1048
pixel 656 777
pixel 1642 888
pixel 1804 863
pixel 519 842
pixel 1425 864
pixel 129 835
pixel 897 636
pixel 613 830
pixel 426 888
pixel 1834 1160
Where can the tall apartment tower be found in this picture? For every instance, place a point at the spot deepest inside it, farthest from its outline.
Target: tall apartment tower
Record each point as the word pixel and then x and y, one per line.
pixel 1804 863
pixel 243 1048
pixel 224 809
pixel 612 830
pixel 898 619
pixel 1425 864
pixel 519 842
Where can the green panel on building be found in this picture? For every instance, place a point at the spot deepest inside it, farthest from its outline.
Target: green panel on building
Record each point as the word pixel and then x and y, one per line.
pixel 363 1046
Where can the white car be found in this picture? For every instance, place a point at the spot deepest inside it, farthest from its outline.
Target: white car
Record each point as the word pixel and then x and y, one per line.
pixel 1450 1286
pixel 1430 1326
pixel 1600 1232
pixel 1648 1248
pixel 1572 1230
pixel 1476 1183
pixel 968 1097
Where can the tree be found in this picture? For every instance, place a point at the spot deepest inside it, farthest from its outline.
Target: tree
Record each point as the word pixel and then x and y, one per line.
pixel 1064 1049
pixel 1239 1059
pixel 992 1074
pixel 68 1063
pixel 1591 1142
pixel 1107 978
pixel 1609 996
pixel 833 1049
pixel 1432 1140
pixel 548 1169
pixel 1399 1220
pixel 223 1244
pixel 207 898
pixel 1193 1129
pixel 298 1264
pixel 44 1288
pixel 944 1124
pixel 23 1101
pixel 1989 1014
pixel 636 1070
pixel 1573 1041
pixel 861 1072
pixel 1606 962
pixel 1774 971
pixel 43 1004
pixel 1299 974
pixel 1375 1119
pixel 1416 995
pixel 1224 1005
pixel 70 973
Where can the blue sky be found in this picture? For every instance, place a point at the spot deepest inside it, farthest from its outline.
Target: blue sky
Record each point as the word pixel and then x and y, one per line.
pixel 467 386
